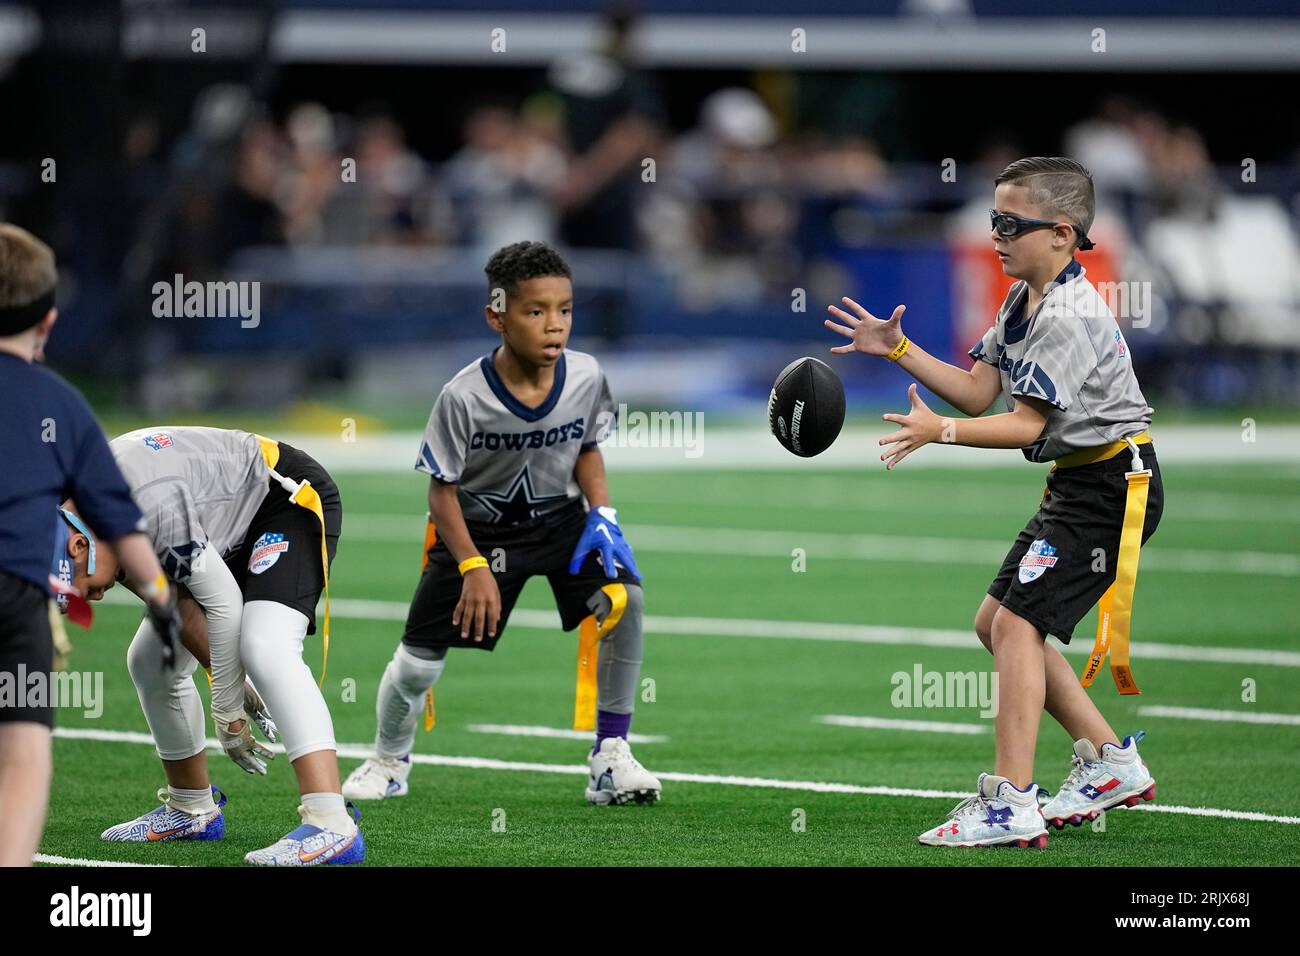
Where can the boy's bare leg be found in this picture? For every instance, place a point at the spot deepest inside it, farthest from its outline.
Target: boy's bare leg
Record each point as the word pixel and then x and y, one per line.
pixel 25 768
pixel 1066 700
pixel 1022 686
pixel 188 774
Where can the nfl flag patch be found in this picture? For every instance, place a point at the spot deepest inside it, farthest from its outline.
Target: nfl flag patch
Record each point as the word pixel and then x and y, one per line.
pixel 158 441
pixel 266 551
pixel 1037 560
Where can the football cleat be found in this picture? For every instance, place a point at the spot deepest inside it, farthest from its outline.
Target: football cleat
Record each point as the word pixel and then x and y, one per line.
pixel 167 823
pixel 997 815
pixel 617 776
pixel 1100 781
pixel 377 778
pixel 314 845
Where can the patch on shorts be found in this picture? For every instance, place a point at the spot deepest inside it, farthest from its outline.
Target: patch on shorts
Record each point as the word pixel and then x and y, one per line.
pixel 158 441
pixel 1037 560
pixel 266 551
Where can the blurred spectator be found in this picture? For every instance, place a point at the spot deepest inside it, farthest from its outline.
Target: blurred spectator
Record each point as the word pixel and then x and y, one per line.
pixel 612 116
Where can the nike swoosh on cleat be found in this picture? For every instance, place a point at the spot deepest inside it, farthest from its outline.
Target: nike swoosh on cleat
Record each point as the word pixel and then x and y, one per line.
pixel 154 835
pixel 336 847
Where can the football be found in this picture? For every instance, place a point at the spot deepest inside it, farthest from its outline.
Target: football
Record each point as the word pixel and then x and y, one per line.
pixel 806 409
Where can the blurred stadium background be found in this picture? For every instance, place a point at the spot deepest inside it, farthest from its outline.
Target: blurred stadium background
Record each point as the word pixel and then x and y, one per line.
pixel 789 169
pixel 782 180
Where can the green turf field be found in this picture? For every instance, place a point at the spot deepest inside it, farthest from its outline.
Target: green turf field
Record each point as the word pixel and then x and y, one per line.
pixel 737 693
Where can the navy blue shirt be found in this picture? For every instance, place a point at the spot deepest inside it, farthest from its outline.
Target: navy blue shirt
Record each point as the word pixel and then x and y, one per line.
pixel 51 449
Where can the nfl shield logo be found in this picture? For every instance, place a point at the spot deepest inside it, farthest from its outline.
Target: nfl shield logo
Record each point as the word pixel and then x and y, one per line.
pixel 158 441
pixel 1037 560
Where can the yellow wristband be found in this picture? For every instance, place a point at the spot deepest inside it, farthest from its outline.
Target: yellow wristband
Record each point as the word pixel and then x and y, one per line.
pixel 900 350
pixel 469 564
pixel 155 588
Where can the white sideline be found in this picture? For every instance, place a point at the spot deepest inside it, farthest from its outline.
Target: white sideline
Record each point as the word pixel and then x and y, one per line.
pixel 537 619
pixel 563 733
pixel 361 751
pixel 79 861
pixel 888 723
pixel 740 542
pixel 1224 716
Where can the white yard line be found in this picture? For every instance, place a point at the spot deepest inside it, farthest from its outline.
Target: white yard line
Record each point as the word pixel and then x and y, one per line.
pixel 887 723
pixel 750 543
pixel 79 861
pixel 581 769
pixel 1223 716
pixel 537 619
pixel 532 730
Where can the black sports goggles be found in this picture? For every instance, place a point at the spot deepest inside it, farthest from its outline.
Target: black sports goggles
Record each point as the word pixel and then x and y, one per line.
pixel 1010 226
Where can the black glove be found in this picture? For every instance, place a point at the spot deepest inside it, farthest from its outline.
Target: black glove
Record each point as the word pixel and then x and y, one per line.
pixel 166 621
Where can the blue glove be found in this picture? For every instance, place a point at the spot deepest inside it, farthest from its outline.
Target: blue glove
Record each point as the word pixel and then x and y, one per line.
pixel 602 534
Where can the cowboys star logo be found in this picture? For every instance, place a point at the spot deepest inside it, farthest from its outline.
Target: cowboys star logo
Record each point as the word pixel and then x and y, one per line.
pixel 519 503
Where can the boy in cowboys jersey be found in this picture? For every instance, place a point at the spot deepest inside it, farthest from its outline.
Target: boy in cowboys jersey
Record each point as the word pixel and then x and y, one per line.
pixel 512 451
pixel 1058 359
pixel 252 562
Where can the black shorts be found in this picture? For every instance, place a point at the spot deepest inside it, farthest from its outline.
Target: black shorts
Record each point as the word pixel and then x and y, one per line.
pixel 280 558
pixel 542 546
pixel 1080 520
pixel 26 647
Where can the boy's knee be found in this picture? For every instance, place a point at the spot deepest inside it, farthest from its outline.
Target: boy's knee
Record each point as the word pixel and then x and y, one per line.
pixel 984 624
pixel 1010 627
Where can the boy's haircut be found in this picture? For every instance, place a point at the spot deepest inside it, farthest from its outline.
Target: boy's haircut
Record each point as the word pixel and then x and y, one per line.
pixel 521 261
pixel 27 271
pixel 1059 187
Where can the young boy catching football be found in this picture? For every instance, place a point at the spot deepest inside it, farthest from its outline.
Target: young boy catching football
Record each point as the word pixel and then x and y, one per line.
pixel 1059 360
pixel 512 451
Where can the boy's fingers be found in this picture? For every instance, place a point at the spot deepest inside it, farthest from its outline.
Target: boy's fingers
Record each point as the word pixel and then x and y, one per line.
pixel 840 313
pixel 842 329
pixel 841 349
pixel 898 314
pixel 862 313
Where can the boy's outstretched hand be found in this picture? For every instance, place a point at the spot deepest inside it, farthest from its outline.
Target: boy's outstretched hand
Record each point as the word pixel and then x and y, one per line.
pixel 920 426
pixel 870 335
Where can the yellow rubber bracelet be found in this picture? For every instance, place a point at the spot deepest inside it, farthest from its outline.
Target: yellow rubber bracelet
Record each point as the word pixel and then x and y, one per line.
pixel 900 350
pixel 469 564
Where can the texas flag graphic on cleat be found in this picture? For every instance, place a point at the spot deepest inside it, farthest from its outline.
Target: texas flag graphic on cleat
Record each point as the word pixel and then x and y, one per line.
pixel 315 843
pixel 998 814
pixel 168 823
pixel 1098 782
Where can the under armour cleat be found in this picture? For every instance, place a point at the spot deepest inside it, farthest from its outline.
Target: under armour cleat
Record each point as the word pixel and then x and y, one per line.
pixel 997 815
pixel 378 778
pixel 313 845
pixel 1099 782
pixel 167 823
pixel 617 776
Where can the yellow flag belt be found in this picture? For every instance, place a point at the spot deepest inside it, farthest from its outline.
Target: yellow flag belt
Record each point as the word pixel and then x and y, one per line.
pixel 1115 609
pixel 302 494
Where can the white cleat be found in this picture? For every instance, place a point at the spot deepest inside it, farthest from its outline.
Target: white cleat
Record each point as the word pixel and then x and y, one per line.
pixel 1099 782
pixel 998 815
pixel 315 843
pixel 168 823
pixel 378 778
pixel 617 776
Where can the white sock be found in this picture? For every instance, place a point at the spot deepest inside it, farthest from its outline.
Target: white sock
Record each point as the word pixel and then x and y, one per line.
pixel 329 811
pixel 401 699
pixel 191 801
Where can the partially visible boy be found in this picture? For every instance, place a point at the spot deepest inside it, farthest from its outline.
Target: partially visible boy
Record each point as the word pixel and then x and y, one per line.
pixel 512 451
pixel 52 449
pixel 1057 356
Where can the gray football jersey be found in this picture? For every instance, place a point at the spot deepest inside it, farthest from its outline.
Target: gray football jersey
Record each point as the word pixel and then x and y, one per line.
pixel 197 487
pixel 510 462
pixel 1071 354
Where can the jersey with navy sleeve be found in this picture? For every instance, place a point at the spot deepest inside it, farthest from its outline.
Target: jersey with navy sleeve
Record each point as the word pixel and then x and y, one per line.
pixel 198 488
pixel 52 449
pixel 1071 354
pixel 512 463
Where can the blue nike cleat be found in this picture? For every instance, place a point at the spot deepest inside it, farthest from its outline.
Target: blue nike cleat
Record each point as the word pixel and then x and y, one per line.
pixel 168 823
pixel 313 845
